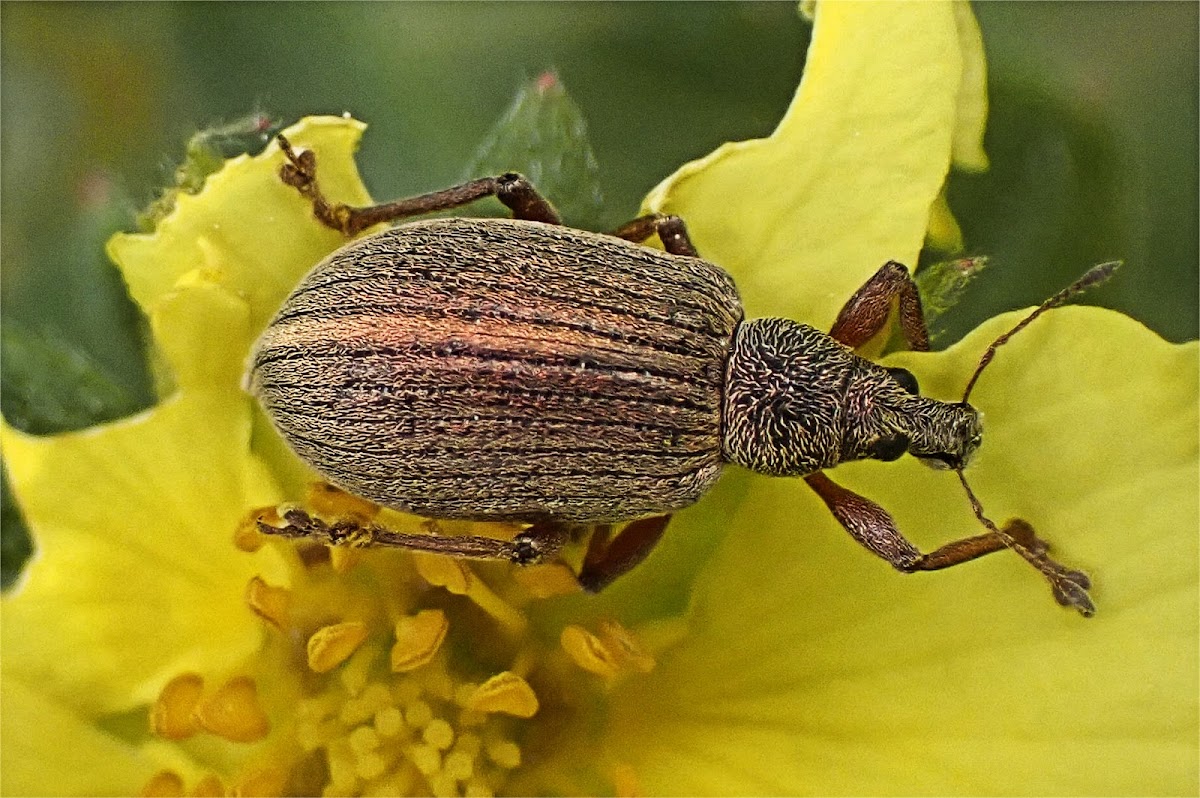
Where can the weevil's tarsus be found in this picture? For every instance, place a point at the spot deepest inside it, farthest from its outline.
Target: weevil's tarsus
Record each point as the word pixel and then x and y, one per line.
pixel 671 231
pixel 511 189
pixel 1068 585
pixel 536 544
pixel 607 559
pixel 865 314
pixel 1091 278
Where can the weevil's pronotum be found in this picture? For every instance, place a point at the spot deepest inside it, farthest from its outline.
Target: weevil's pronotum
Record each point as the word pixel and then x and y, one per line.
pixel 520 370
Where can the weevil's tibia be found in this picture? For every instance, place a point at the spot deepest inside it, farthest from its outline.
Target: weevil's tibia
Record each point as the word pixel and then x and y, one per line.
pixel 869 309
pixel 535 544
pixel 874 528
pixel 511 189
pixel 671 231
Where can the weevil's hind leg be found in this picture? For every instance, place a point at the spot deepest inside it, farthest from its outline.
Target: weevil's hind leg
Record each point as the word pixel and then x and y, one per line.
pixel 868 310
pixel 607 559
pixel 512 189
pixel 535 544
pixel 874 528
pixel 671 231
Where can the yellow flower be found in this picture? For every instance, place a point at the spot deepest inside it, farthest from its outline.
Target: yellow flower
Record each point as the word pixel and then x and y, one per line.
pixel 153 643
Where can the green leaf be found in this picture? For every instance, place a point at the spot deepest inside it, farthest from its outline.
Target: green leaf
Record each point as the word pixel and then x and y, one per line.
pixel 543 136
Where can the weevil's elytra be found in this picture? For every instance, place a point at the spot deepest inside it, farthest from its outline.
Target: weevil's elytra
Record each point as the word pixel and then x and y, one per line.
pixel 411 362
pixel 521 370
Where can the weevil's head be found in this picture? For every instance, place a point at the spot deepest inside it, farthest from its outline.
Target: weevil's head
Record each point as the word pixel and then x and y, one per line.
pixel 886 417
pixel 797 401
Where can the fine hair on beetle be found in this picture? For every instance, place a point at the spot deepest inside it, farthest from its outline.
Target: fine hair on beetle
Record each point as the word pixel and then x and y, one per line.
pixel 581 384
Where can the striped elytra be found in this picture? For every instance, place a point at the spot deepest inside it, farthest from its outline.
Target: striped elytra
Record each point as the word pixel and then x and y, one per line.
pixel 504 369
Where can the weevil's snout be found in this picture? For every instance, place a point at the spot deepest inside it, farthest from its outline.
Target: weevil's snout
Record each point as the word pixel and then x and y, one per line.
pixel 950 438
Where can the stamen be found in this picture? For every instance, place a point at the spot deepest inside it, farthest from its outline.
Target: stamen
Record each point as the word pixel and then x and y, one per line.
pixel 457 577
pixel 548 580
pixel 418 638
pixel 344 558
pixel 267 781
pixel 208 787
pixel 173 715
pixel 233 712
pixel 589 652
pixel 269 603
pixel 506 692
pixel 246 537
pixel 163 783
pixel 330 646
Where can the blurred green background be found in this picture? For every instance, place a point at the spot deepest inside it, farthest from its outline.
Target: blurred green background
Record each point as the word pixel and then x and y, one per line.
pixel 1092 136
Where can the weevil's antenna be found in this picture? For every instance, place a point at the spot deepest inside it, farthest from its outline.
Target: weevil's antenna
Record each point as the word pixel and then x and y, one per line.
pixel 1092 277
pixel 1069 586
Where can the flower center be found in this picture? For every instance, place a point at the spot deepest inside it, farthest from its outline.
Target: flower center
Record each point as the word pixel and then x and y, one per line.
pixel 385 672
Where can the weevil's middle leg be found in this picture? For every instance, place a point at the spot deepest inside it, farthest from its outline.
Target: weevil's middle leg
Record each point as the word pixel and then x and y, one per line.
pixel 510 188
pixel 874 528
pixel 535 544
pixel 868 310
pixel 671 231
pixel 606 558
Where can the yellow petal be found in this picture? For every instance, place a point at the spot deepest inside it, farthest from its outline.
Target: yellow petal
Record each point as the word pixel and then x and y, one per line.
pixel 49 749
pixel 845 183
pixel 833 674
pixel 135 578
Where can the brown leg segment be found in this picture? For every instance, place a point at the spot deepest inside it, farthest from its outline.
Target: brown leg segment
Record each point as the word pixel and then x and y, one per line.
pixel 536 544
pixel 874 528
pixel 671 231
pixel 511 189
pixel 868 310
pixel 607 559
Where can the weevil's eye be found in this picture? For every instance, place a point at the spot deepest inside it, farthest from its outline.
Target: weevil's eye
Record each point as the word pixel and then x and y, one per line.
pixel 889 448
pixel 906 379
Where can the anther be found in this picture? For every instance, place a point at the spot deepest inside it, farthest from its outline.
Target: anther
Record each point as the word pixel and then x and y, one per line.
pixel 418 638
pixel 506 693
pixel 330 646
pixel 172 715
pixel 267 602
pixel 163 783
pixel 233 712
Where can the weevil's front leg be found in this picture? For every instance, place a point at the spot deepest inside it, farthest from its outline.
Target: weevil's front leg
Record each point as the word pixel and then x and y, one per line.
pixel 535 544
pixel 874 528
pixel 868 310
pixel 671 231
pixel 511 189
pixel 607 559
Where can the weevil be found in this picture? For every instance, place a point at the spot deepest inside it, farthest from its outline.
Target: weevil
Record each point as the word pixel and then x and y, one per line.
pixel 521 370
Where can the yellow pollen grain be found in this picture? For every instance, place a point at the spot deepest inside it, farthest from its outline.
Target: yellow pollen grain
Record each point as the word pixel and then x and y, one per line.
pixel 172 715
pixel 370 766
pixel 418 638
pixel 457 577
pixel 442 786
pixel 439 734
pixel 266 781
pixel 478 788
pixel 589 652
pixel 208 787
pixel 417 714
pixel 269 603
pixel 389 722
pixel 163 783
pixel 504 753
pixel 507 693
pixel 459 765
pixel 233 712
pixel 469 744
pixel 363 739
pixel 425 758
pixel 329 646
